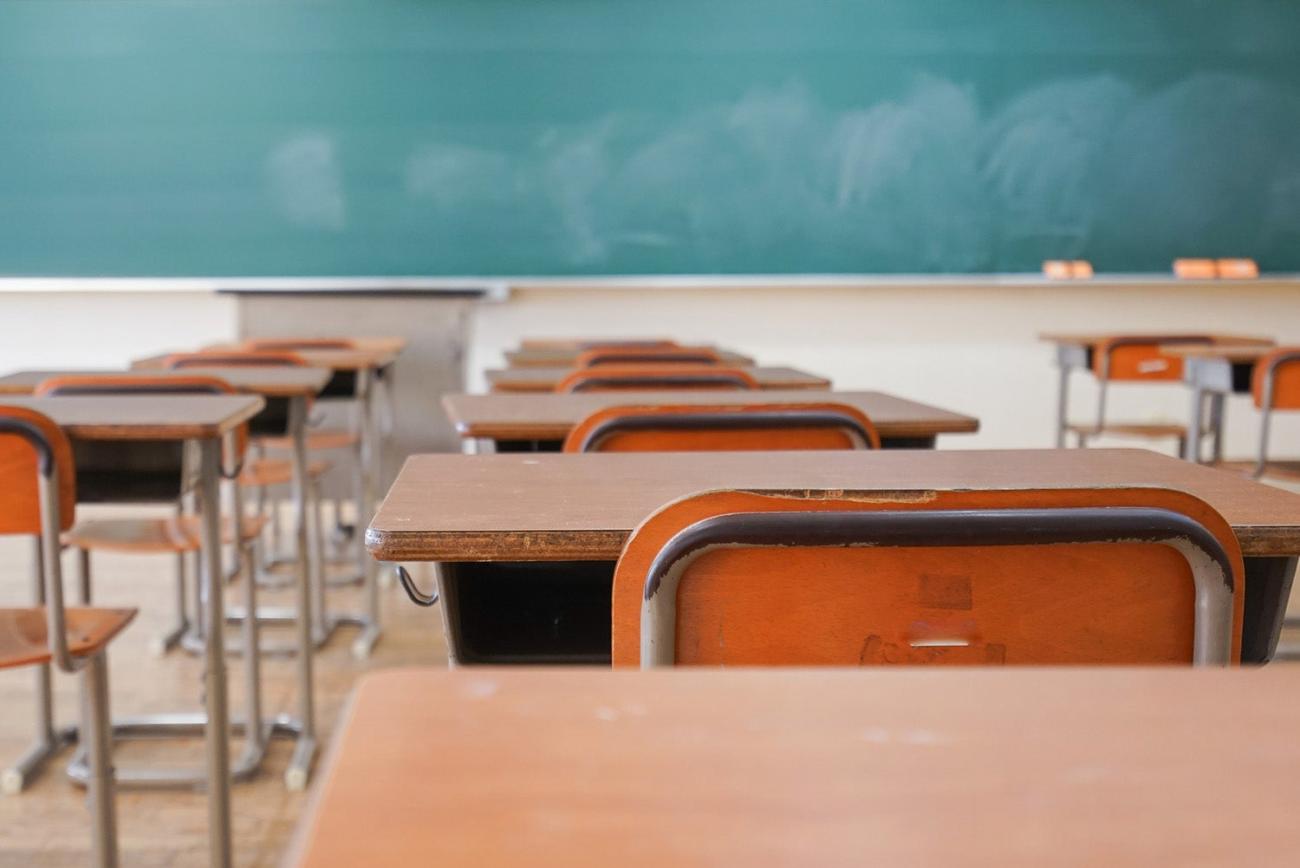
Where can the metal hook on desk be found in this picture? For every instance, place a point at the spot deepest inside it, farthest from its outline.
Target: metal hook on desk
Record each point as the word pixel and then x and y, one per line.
pixel 417 596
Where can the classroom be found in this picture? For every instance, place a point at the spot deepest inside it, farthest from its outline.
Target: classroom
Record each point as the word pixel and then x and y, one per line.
pixel 733 433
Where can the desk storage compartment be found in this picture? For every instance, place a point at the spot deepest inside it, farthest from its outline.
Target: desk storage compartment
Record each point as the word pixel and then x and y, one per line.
pixel 127 471
pixel 513 613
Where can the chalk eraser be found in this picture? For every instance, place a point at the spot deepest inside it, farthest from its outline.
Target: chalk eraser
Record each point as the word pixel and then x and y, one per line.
pixel 1238 269
pixel 1196 269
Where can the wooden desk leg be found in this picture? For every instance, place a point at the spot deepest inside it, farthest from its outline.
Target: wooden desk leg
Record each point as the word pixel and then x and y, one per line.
pixel 218 719
pixel 304 754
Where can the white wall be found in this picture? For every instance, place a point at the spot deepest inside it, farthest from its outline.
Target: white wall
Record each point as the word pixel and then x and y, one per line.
pixel 106 329
pixel 970 348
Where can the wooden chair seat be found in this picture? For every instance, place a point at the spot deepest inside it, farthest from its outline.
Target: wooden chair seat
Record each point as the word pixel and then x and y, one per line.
pixel 155 535
pixel 275 471
pixel 317 441
pixel 1150 430
pixel 23 639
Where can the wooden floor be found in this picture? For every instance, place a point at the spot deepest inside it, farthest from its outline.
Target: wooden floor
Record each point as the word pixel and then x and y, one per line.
pixel 46 825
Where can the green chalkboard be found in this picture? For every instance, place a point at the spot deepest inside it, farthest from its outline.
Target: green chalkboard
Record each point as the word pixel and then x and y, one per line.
pixel 556 137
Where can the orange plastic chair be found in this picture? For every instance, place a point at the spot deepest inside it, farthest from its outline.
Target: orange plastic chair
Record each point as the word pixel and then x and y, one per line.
pixel 723 427
pixel 1040 577
pixel 38 499
pixel 648 356
pixel 1275 385
pixel 1134 358
pixel 630 378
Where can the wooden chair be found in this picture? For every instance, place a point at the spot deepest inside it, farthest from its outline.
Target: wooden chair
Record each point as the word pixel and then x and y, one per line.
pixel 1135 359
pixel 631 378
pixel 38 499
pixel 723 427
pixel 178 535
pixel 647 356
pixel 1041 577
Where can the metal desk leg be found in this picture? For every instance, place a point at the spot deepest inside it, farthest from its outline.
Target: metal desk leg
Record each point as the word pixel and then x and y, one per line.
pixel 304 754
pixel 368 618
pixel 1068 357
pixel 1192 442
pixel 49 740
pixel 1217 417
pixel 218 719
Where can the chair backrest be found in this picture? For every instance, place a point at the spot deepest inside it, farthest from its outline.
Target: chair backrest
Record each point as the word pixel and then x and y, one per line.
pixel 1044 577
pixel 144 384
pixel 291 344
pixel 232 358
pixel 33 446
pixel 1275 384
pixel 648 356
pixel 723 427
pixel 1139 357
pixel 630 378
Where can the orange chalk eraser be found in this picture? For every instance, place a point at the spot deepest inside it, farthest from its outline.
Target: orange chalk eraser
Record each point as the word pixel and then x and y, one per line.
pixel 1081 269
pixel 1238 269
pixel 1057 269
pixel 1196 269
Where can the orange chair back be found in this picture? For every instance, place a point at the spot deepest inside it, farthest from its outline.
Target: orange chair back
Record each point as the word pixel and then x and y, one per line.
pixel 1043 577
pixel 27 439
pixel 142 384
pixel 1140 358
pixel 291 344
pixel 234 358
pixel 631 378
pixel 723 427
pixel 1282 366
pixel 648 356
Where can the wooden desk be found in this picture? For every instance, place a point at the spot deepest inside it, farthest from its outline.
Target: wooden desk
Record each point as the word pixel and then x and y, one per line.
pixel 1075 351
pixel 526 543
pixel 565 355
pixel 203 420
pixel 270 382
pixel 355 376
pixel 546 379
pixel 821 767
pixel 509 422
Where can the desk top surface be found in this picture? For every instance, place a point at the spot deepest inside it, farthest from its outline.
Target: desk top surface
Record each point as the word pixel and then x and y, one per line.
pixel 270 381
pixel 546 379
pixel 539 506
pixel 831 767
pixel 550 416
pixel 1092 338
pixel 565 356
pixel 152 417
pixel 334 360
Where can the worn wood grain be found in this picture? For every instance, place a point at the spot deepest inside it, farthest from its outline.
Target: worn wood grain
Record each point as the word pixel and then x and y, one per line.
pixel 715 767
pixel 546 379
pixel 151 417
pixel 506 416
pixel 582 507
pixel 271 381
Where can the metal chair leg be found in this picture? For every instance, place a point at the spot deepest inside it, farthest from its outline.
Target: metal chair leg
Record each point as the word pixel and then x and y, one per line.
pixel 100 795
